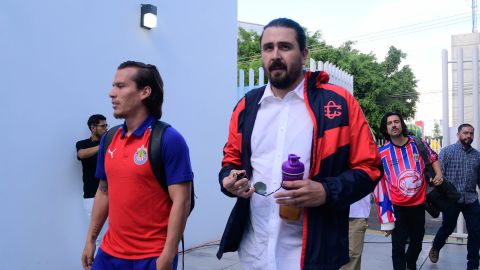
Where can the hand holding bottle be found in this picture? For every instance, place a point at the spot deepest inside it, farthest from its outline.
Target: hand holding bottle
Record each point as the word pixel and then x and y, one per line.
pixel 302 193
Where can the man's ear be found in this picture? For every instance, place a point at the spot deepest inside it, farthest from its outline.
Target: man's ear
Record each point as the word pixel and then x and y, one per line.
pixel 146 92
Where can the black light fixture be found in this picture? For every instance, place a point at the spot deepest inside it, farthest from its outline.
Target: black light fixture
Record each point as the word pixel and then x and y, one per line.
pixel 148 18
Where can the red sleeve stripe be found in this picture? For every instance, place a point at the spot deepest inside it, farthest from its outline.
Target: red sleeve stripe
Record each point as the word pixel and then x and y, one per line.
pixel 342 136
pixel 363 150
pixel 304 237
pixel 233 147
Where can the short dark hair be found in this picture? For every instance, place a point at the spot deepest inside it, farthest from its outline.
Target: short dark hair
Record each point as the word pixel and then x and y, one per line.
pixel 383 125
pixel 464 125
pixel 95 120
pixel 148 75
pixel 289 23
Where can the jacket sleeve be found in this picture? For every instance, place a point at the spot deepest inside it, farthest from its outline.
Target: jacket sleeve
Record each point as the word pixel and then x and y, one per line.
pixel 365 168
pixel 385 213
pixel 232 150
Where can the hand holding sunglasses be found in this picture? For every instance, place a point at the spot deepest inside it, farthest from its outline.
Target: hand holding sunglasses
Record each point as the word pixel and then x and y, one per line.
pixel 237 183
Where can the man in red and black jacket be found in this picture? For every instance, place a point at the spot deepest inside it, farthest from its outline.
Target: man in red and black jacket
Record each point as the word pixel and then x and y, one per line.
pixel 295 113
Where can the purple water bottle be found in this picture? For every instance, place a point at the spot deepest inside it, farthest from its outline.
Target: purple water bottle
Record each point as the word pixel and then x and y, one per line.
pixel 292 169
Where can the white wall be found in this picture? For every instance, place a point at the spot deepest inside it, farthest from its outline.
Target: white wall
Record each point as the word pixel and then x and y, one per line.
pixel 58 59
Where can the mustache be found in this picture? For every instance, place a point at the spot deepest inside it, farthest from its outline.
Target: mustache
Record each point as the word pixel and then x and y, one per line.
pixel 276 64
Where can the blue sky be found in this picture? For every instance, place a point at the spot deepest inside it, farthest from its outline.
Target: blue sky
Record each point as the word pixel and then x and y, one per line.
pixel 420 28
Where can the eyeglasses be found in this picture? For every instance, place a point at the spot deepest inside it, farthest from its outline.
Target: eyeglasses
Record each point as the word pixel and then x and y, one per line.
pixel 260 187
pixel 103 125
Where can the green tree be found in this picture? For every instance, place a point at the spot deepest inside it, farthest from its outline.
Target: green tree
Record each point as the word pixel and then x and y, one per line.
pixel 248 52
pixel 379 86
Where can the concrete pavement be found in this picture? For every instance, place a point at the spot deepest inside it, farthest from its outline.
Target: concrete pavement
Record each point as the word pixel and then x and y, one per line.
pixel 376 255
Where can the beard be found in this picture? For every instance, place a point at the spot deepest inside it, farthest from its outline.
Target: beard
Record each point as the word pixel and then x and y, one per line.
pixel 100 134
pixel 466 143
pixel 394 132
pixel 286 78
pixel 118 115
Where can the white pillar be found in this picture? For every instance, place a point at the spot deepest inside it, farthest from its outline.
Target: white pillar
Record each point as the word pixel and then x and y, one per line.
pixel 460 91
pixel 475 105
pixel 445 121
pixel 460 112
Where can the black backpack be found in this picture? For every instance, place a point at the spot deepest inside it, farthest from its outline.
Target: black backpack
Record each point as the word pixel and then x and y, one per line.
pixel 154 154
pixel 438 198
pixel 156 162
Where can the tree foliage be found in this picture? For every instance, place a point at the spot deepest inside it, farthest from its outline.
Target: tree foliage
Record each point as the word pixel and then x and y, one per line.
pixel 379 86
pixel 248 51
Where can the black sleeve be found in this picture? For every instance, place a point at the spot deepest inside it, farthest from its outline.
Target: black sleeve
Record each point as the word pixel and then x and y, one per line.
pixel 224 172
pixel 80 145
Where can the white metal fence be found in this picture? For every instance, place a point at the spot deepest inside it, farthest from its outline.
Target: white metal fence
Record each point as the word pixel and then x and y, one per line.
pixel 337 76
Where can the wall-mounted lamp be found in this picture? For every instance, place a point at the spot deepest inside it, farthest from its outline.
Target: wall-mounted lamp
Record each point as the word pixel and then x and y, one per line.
pixel 148 17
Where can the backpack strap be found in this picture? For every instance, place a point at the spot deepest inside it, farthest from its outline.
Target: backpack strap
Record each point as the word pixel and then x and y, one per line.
pixel 107 139
pixel 155 153
pixel 156 162
pixel 424 153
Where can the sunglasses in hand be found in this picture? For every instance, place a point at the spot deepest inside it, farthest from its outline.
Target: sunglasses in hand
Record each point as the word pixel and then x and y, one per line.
pixel 260 187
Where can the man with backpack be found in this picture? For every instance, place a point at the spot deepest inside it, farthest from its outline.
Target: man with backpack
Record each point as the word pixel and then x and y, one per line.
pixel 147 204
pixel 401 193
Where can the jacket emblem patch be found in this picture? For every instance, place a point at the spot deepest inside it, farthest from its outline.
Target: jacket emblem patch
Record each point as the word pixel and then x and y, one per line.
pixel 332 110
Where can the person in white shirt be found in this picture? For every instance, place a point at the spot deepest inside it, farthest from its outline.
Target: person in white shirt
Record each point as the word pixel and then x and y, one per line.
pixel 357 226
pixel 295 113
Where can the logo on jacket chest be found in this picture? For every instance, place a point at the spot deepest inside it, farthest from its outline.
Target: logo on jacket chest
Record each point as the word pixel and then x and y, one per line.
pixel 140 157
pixel 332 110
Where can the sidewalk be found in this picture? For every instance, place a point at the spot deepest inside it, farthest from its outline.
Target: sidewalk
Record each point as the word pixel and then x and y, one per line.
pixel 376 255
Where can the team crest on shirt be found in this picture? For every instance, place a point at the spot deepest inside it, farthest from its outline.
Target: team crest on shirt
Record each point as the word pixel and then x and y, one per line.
pixel 415 157
pixel 140 156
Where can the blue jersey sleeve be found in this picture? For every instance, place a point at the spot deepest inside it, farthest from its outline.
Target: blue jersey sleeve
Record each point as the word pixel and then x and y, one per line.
pixel 176 157
pixel 100 171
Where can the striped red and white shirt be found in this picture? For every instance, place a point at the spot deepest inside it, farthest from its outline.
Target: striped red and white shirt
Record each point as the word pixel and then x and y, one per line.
pixel 403 183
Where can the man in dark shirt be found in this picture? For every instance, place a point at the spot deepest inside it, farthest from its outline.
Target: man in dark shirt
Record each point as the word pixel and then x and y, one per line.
pixel 87 153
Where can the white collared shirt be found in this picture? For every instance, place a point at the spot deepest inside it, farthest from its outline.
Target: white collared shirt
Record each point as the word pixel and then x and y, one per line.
pixel 282 127
pixel 361 208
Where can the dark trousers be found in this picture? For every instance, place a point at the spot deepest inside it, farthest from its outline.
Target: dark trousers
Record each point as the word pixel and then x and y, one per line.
pixel 409 224
pixel 471 213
